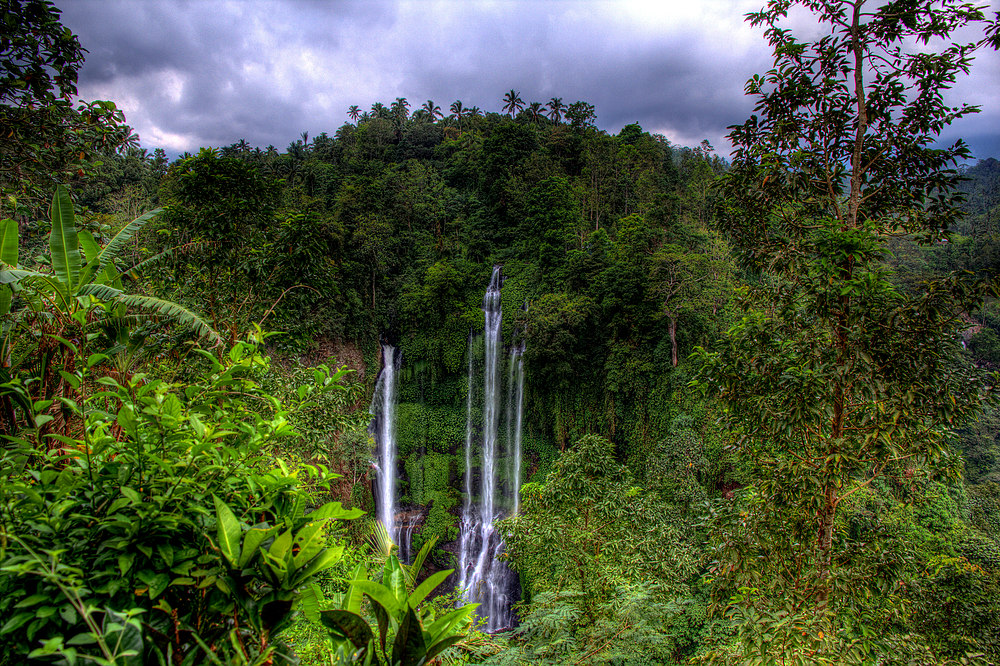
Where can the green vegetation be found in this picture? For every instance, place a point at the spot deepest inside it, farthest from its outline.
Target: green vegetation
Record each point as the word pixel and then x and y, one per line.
pixel 759 422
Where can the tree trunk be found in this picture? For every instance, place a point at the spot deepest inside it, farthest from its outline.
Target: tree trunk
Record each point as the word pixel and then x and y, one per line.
pixel 824 541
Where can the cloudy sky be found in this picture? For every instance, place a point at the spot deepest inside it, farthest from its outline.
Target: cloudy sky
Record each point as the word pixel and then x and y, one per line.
pixel 191 73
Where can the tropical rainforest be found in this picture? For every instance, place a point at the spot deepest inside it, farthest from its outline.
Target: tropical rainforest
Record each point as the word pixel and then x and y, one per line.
pixel 758 421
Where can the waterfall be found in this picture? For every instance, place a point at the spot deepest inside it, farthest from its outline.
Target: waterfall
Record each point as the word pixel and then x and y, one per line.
pixel 383 410
pixel 515 415
pixel 485 579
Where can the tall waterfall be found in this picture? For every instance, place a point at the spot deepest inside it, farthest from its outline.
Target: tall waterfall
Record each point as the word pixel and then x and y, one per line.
pixel 515 411
pixel 485 579
pixel 383 412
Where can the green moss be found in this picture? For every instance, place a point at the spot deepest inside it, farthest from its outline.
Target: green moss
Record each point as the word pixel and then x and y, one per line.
pixel 422 427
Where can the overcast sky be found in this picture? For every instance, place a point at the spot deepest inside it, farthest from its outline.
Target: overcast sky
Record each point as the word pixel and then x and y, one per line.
pixel 192 73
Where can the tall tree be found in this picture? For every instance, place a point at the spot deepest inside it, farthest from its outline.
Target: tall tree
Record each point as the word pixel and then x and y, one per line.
pixel 354 112
pixel 45 139
pixel 534 112
pixel 512 102
pixel 433 110
pixel 581 114
pixel 400 109
pixel 556 109
pixel 459 111
pixel 841 379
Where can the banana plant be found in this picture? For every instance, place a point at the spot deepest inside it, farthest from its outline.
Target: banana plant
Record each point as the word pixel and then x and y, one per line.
pixel 84 275
pixel 83 289
pixel 419 636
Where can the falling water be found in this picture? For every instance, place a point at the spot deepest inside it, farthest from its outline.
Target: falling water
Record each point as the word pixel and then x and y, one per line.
pixel 383 411
pixel 515 412
pixel 484 578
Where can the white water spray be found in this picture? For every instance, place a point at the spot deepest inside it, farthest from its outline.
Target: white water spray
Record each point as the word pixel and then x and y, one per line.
pixel 383 412
pixel 485 579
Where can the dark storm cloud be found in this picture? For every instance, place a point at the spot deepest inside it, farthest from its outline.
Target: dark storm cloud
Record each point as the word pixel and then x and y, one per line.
pixel 192 73
pixel 203 73
pixel 674 82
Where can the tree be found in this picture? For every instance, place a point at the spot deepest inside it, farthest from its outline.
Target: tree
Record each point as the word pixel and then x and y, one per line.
pixel 400 109
pixel 840 379
pixel 581 114
pixel 459 111
pixel 222 210
pixel 513 102
pixel 535 112
pixel 586 536
pixel 556 109
pixel 206 495
pixel 45 139
pixel 433 110
pixel 354 112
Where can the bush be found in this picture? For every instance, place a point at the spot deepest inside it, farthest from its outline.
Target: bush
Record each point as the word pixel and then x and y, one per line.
pixel 165 530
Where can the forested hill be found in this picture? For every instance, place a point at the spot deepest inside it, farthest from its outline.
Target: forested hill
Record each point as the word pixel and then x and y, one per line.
pixel 389 229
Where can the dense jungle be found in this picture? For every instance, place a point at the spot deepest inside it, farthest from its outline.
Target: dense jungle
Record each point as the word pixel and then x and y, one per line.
pixel 744 407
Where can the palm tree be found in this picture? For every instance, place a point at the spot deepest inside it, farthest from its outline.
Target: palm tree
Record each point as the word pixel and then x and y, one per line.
pixel 513 102
pixel 433 110
pixel 459 111
pixel 354 112
pixel 379 110
pixel 400 108
pixel 556 109
pixel 473 111
pixel 534 112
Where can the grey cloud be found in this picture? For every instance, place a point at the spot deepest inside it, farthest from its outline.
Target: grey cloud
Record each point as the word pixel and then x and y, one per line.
pixel 687 81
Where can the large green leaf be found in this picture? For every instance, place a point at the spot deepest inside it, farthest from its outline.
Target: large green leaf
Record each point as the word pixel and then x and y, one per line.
pixel 427 587
pixel 409 648
pixel 90 247
pixel 354 595
pixel 443 626
pixel 308 541
pixel 413 570
pixel 19 277
pixel 64 246
pixel 114 246
pixel 321 562
pixel 173 311
pixel 379 594
pixel 437 648
pixel 229 531
pixel 8 242
pixel 254 537
pixel 90 251
pixel 335 511
pixel 397 582
pixel 348 625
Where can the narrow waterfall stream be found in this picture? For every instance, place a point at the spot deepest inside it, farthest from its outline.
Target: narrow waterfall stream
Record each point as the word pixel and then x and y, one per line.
pixel 485 579
pixel 383 428
pixel 515 412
